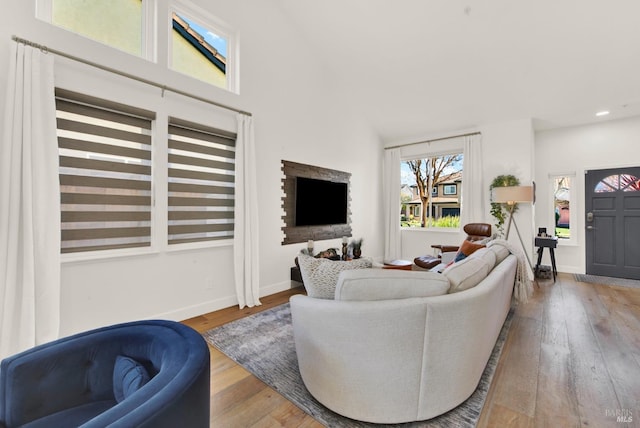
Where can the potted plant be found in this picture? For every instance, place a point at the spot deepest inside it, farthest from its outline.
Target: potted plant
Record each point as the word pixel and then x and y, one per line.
pixel 499 210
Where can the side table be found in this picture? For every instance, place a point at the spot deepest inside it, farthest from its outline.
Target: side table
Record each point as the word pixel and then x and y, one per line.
pixel 551 243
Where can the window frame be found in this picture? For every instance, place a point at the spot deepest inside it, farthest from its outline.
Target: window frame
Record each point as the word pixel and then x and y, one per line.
pixel 151 41
pixel 426 155
pixel 573 211
pixel 214 24
pixel 148 29
pixel 224 147
pixel 85 184
pixel 445 186
pixel 82 79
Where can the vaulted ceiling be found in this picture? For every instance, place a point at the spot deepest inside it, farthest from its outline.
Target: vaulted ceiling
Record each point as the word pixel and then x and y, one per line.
pixel 419 67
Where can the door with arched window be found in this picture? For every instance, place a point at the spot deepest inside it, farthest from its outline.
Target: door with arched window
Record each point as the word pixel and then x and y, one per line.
pixel 612 210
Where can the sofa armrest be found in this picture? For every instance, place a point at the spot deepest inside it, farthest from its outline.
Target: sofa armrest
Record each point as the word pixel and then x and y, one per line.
pixel 446 248
pixel 50 378
pixel 358 379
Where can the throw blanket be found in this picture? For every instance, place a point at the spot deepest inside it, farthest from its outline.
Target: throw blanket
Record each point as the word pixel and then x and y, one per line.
pixel 523 286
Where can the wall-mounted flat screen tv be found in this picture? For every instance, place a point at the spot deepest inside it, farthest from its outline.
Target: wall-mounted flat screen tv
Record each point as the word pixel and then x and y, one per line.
pixel 320 202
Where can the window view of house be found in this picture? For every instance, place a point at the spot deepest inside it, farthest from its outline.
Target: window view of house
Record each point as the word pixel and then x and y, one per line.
pixel 438 208
pixel 116 23
pixel 562 206
pixel 198 51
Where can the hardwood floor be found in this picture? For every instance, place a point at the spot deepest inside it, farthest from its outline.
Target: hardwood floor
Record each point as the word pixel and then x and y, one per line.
pixel 572 358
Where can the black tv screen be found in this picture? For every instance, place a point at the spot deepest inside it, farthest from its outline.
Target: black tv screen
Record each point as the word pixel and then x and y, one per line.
pixel 320 202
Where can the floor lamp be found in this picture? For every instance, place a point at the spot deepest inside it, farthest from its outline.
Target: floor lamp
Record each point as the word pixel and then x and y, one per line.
pixel 511 195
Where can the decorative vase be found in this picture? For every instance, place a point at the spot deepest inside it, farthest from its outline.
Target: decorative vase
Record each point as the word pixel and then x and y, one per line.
pixel 357 253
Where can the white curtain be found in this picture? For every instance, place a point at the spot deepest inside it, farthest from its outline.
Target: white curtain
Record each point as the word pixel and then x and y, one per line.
pixel 473 191
pixel 391 189
pixel 245 243
pixel 29 205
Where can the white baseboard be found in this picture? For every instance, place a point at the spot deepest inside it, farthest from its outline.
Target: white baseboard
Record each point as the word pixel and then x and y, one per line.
pixel 570 269
pixel 217 304
pixel 199 309
pixel 276 288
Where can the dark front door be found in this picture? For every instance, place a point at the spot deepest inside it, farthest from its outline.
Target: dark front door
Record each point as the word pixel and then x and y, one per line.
pixel 612 207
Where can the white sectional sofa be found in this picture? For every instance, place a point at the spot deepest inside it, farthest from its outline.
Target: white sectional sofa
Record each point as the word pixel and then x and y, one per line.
pixel 382 352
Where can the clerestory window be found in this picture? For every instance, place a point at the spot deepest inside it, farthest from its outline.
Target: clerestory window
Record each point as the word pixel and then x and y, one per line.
pixel 200 46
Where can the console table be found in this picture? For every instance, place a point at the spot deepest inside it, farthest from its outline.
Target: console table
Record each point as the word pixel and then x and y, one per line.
pixel 551 243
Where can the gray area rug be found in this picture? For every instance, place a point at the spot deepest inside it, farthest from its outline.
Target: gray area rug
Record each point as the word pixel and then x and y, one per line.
pixel 263 344
pixel 607 280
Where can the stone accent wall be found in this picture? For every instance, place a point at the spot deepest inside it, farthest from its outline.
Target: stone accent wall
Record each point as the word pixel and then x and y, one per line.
pixel 293 234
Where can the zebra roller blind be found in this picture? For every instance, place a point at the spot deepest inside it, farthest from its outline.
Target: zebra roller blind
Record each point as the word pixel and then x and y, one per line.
pixel 201 183
pixel 105 173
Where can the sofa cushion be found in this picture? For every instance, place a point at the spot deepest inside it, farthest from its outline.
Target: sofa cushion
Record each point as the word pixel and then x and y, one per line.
pixel 487 255
pixel 383 284
pixel 466 273
pixel 320 275
pixel 72 417
pixel 128 377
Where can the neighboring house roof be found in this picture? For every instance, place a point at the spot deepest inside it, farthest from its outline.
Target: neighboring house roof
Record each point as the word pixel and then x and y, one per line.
pixel 451 178
pixel 436 200
pixel 198 42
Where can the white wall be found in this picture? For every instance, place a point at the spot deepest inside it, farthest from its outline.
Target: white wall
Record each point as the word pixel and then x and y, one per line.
pixel 300 115
pixel 507 148
pixel 574 150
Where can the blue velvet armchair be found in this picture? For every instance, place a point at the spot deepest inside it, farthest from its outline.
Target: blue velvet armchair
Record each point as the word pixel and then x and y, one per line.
pixel 139 374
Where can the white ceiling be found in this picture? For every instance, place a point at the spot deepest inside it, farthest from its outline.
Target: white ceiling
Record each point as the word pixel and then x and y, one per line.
pixel 421 67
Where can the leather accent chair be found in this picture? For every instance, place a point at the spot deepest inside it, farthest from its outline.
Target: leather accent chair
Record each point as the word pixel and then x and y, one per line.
pixel 474 231
pixel 72 381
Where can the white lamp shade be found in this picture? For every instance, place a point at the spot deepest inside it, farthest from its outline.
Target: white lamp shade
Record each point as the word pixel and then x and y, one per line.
pixel 512 194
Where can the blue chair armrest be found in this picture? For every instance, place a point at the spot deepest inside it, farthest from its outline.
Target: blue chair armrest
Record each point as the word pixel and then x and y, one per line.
pixel 53 377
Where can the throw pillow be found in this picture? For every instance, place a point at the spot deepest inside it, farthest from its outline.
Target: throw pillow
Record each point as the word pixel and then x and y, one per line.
pixel 459 256
pixel 467 248
pixel 320 275
pixel 388 284
pixel 128 377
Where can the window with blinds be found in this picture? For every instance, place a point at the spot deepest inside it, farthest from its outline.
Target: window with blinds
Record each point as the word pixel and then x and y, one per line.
pixel 201 183
pixel 105 173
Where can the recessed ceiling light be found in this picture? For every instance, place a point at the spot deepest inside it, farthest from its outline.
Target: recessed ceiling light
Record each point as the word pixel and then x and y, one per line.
pixel 602 113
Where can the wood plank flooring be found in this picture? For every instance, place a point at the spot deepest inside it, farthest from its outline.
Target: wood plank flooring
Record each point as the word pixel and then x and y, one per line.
pixel 571 359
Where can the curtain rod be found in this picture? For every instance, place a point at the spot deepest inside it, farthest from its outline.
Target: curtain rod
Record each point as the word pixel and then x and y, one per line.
pixel 127 75
pixel 432 141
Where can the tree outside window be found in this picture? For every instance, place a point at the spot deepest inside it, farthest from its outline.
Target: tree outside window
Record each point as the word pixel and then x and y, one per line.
pixel 422 181
pixel 562 206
